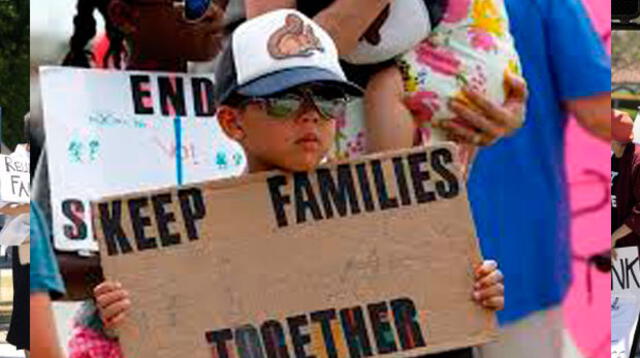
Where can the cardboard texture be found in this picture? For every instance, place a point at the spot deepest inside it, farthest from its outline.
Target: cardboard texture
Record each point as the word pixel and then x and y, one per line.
pixel 267 264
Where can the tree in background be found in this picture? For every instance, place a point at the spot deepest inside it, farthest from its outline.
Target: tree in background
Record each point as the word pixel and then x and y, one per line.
pixel 14 68
pixel 625 49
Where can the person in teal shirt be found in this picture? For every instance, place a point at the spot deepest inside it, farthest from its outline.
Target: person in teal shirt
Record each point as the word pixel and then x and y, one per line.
pixel 45 284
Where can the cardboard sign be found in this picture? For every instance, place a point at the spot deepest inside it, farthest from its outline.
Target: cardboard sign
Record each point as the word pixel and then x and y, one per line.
pixel 14 177
pixel 372 257
pixel 112 132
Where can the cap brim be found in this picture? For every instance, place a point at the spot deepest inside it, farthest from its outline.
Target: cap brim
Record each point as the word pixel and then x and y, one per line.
pixel 283 80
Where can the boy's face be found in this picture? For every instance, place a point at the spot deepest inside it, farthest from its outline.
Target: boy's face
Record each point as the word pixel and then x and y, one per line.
pixel 297 142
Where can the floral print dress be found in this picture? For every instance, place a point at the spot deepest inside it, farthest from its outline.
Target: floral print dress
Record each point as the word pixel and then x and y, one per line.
pixel 472 46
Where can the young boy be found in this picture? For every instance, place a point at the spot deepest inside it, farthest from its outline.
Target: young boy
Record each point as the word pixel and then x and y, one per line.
pixel 279 88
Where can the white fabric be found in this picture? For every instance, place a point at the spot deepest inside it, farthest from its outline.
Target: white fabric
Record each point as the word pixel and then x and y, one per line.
pixel 251 40
pixel 636 129
pixel 407 25
pixel 15 230
pixel 624 319
pixel 538 335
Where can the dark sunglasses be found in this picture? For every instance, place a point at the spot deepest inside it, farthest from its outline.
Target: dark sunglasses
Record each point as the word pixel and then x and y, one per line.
pixel 330 101
pixel 192 10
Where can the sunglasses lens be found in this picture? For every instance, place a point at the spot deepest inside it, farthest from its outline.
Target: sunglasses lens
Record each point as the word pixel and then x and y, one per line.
pixel 331 108
pixel 195 9
pixel 283 107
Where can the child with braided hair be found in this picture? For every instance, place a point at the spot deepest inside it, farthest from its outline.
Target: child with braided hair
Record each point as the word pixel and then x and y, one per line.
pixel 150 35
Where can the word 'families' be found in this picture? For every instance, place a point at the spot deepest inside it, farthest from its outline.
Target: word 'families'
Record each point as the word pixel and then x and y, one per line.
pixel 338 188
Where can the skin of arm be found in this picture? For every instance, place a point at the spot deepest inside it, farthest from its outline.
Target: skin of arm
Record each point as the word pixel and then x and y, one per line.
pixel 44 339
pixel 14 209
pixel 593 113
pixel 622 231
pixel 344 20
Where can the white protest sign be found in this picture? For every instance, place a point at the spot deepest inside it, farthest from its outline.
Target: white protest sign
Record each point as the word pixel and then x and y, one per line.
pixel 14 176
pixel 636 129
pixel 625 300
pixel 625 272
pixel 624 320
pixel 111 132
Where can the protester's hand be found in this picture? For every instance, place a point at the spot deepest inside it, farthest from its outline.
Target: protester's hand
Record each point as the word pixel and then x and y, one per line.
pixel 488 289
pixel 614 254
pixel 482 122
pixel 112 302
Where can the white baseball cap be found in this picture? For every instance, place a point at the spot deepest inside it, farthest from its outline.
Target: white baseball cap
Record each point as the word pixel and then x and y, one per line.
pixel 277 51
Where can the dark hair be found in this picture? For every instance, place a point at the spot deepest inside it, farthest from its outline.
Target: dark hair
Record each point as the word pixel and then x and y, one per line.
pixel 84 29
pixel 235 99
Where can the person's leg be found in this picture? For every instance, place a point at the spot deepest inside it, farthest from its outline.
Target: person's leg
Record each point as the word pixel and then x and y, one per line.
pixel 19 334
pixel 538 335
pixel 388 122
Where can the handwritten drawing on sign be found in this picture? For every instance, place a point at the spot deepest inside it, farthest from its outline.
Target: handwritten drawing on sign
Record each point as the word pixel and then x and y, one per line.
pixel 14 178
pixel 372 257
pixel 113 132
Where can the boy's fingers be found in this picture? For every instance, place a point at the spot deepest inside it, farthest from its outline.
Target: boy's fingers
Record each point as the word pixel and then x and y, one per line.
pixel 105 287
pixel 106 299
pixel 109 313
pixel 496 290
pixel 486 268
pixel 493 278
pixel 115 321
pixel 494 303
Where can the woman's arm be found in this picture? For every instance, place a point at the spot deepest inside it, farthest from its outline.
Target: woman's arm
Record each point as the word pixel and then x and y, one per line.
pixel 344 20
pixel 44 339
pixel 594 114
pixel 254 8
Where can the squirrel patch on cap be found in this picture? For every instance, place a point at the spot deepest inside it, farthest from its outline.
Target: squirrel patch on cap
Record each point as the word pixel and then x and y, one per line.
pixel 294 39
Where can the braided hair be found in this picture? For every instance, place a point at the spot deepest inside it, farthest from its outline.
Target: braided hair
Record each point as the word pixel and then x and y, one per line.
pixel 84 29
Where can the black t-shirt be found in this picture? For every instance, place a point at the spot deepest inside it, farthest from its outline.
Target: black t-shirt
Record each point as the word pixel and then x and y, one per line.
pixel 625 194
